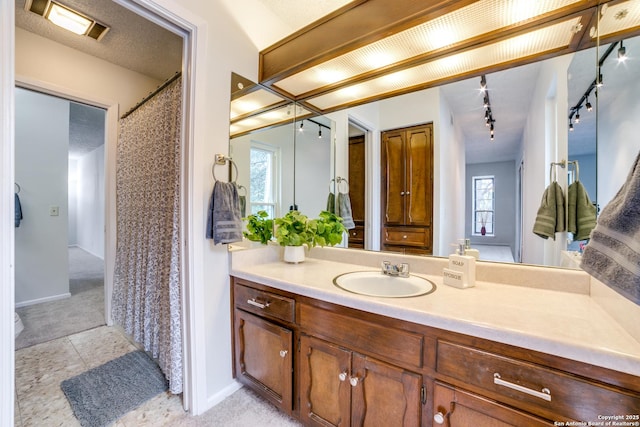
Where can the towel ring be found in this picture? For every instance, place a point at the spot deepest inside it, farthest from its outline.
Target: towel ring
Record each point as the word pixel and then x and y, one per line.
pixel 242 187
pixel 341 180
pixel 17 187
pixel 235 167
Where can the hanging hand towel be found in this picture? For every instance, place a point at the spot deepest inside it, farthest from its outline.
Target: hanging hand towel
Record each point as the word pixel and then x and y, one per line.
pixel 224 222
pixel 243 206
pixel 613 253
pixel 17 210
pixel 581 212
pixel 344 210
pixel 331 203
pixel 550 217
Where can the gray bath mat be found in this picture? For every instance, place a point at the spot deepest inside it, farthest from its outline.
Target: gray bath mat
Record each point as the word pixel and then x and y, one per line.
pixel 103 394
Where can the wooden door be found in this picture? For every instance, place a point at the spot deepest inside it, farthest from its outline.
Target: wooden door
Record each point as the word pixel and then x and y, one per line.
pixel 325 398
pixel 393 177
pixel 384 395
pixel 357 189
pixel 419 173
pixel 453 407
pixel 263 358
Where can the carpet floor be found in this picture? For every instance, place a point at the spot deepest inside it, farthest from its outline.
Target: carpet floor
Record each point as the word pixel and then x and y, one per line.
pixel 82 311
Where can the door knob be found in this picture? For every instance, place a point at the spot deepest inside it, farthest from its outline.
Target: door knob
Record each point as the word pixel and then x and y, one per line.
pixel 342 376
pixel 439 418
pixel 283 353
pixel 354 381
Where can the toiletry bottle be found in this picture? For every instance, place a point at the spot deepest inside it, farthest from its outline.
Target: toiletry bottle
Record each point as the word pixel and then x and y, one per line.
pixel 462 269
pixel 468 250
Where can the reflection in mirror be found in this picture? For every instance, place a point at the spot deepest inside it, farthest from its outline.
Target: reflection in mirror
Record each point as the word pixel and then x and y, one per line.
pixel 283 151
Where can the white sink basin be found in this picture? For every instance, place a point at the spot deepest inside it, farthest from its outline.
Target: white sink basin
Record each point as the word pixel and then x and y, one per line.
pixel 376 284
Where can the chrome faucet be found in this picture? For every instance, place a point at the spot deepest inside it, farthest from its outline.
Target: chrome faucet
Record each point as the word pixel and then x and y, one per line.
pixel 399 270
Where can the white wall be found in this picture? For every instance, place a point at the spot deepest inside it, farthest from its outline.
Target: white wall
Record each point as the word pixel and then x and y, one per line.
pixel 618 142
pixel 91 202
pixel 546 127
pixel 41 147
pixel 313 173
pixel 73 202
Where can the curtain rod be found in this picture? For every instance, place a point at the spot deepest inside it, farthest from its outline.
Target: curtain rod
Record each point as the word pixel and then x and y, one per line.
pixel 152 94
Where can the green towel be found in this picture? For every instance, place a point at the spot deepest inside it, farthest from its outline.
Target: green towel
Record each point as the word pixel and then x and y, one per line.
pixel 331 203
pixel 550 217
pixel 582 212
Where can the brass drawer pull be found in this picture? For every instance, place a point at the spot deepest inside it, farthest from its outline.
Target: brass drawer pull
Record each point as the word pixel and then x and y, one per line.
pixel 545 394
pixel 255 303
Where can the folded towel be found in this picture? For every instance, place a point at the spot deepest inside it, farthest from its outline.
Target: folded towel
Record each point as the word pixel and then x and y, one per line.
pixel 331 203
pixel 550 217
pixel 613 253
pixel 344 210
pixel 224 222
pixel 581 212
pixel 17 210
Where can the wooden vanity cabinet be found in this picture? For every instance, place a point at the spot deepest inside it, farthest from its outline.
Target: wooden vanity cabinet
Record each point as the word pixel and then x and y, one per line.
pixel 339 387
pixel 263 349
pixel 330 365
pixel 407 189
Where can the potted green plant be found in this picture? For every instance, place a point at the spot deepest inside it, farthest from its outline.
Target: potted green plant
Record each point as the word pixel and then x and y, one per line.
pixel 295 230
pixel 259 227
pixel 292 232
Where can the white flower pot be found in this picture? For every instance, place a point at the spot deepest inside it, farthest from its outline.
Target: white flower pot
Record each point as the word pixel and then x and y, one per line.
pixel 294 254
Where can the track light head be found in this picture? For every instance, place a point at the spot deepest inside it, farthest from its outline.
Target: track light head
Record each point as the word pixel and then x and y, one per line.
pixel 622 53
pixel 589 106
pixel 301 126
pixel 577 119
pixel 570 127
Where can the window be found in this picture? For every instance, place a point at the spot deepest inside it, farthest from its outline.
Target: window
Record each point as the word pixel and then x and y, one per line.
pixel 484 198
pixel 263 184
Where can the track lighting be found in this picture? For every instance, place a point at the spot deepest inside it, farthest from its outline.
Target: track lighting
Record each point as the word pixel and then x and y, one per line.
pixel 622 53
pixel 488 115
pixel 319 132
pixel 588 105
pixel 301 126
pixel 577 120
pixel 570 126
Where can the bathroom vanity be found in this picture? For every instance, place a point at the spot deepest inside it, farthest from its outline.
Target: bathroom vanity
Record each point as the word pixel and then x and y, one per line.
pixel 452 357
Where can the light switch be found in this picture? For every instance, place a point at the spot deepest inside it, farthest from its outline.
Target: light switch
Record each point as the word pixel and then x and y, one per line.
pixel 54 210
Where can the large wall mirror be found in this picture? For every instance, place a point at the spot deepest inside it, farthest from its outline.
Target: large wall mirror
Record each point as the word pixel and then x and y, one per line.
pixel 283 152
pixel 533 106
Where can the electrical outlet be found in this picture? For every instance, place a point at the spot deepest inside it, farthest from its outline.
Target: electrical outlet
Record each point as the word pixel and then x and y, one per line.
pixel 54 210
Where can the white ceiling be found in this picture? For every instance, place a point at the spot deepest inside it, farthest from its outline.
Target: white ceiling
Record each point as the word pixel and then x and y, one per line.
pixel 142 46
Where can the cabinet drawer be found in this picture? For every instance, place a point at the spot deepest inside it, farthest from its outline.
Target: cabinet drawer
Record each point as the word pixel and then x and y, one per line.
pixel 402 347
pixel 542 391
pixel 356 234
pixel 264 303
pixel 407 236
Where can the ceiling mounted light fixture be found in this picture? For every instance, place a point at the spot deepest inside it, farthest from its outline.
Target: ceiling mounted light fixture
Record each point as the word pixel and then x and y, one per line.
pixel 622 53
pixel 488 115
pixel 67 18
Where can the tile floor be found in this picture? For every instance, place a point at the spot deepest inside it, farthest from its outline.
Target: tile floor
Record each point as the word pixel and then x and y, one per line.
pixel 40 402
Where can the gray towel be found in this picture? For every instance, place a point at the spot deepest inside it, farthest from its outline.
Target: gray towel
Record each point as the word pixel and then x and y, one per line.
pixel 331 203
pixel 224 222
pixel 17 210
pixel 581 212
pixel 243 205
pixel 344 210
pixel 613 253
pixel 550 217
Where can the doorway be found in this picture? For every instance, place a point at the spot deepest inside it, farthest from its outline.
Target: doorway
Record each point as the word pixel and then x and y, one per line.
pixel 59 241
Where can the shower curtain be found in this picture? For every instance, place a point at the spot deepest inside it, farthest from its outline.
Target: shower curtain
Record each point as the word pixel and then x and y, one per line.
pixel 147 282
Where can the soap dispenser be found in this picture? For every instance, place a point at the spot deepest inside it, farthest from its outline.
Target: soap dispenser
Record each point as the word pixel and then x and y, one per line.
pixel 462 269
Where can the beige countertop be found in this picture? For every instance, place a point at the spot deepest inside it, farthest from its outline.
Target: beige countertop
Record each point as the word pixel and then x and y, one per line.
pixel 562 323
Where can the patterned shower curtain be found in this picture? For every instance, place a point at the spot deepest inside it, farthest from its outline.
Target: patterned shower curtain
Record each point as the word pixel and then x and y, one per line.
pixel 147 286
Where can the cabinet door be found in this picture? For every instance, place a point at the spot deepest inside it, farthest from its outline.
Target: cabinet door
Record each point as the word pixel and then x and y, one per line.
pixel 419 166
pixel 384 395
pixel 325 398
pixel 393 176
pixel 453 407
pixel 263 358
